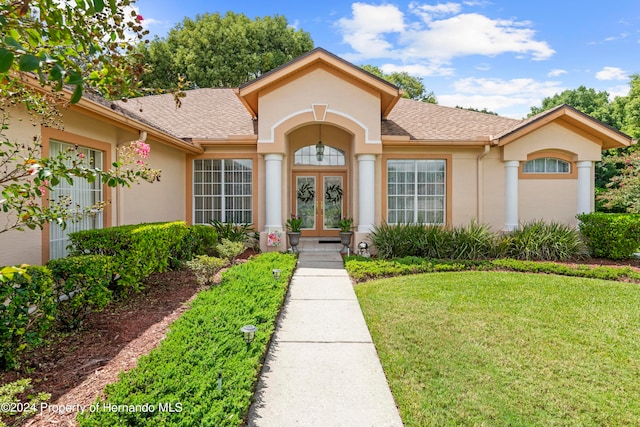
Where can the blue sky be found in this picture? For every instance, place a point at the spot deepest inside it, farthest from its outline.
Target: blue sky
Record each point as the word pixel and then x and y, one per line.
pixel 504 55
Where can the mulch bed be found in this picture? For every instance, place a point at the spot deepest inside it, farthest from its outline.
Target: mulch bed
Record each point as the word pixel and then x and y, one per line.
pixel 68 359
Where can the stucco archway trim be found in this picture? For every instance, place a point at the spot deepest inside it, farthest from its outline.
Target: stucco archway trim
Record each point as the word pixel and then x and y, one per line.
pixel 303 117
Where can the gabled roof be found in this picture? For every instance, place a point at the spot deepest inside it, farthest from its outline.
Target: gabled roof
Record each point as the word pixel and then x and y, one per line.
pixel 248 92
pixel 566 115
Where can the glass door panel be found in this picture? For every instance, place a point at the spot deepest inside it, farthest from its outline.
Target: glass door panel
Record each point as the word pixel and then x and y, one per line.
pixel 333 191
pixel 306 201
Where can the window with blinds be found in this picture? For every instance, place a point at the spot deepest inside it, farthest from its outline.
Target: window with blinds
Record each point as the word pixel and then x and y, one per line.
pixel 223 190
pixel 416 191
pixel 83 194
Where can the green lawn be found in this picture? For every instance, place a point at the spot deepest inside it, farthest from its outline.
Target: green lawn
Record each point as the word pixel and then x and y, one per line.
pixel 494 348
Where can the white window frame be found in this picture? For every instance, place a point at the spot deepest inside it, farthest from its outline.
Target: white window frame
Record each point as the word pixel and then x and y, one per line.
pixel 438 198
pixel 210 195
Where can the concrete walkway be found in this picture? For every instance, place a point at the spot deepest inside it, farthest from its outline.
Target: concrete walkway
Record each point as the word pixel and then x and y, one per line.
pixel 322 368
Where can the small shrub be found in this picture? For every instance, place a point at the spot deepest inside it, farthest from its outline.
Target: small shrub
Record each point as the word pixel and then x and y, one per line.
pixel 434 241
pixel 206 267
pixel 229 250
pixel 475 241
pixel 234 232
pixel 608 235
pixel 198 240
pixel 27 310
pixel 81 286
pixel 397 241
pixel 9 398
pixel 545 241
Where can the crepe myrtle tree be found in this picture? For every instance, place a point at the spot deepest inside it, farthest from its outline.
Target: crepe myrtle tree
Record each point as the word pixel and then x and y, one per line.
pixel 51 52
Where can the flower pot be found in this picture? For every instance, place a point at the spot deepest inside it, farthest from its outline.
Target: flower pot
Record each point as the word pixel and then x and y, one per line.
pixel 345 239
pixel 294 240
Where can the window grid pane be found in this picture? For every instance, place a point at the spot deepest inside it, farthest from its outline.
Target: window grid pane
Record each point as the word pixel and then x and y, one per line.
pixel 82 193
pixel 546 165
pixel 416 191
pixel 222 190
pixel 306 156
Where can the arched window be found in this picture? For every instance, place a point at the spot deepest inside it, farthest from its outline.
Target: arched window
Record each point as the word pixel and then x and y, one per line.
pixel 547 165
pixel 306 156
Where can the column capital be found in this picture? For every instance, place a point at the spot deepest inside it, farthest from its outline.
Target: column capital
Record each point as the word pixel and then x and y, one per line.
pixel 512 163
pixel 366 157
pixel 273 156
pixel 584 164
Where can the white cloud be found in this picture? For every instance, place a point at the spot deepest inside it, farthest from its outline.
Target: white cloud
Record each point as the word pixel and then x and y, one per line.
pixel 474 34
pixel 483 67
pixel 378 31
pixel 427 12
pixel 556 72
pixel 501 96
pixel 365 31
pixel 419 70
pixel 620 90
pixel 612 73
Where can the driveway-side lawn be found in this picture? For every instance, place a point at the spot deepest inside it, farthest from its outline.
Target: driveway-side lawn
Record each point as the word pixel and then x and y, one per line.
pixel 495 348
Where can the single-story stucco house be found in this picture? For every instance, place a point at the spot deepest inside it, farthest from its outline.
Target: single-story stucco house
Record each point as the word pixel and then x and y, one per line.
pixel 251 155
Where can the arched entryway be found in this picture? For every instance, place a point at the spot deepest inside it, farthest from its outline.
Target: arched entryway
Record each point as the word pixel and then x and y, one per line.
pixel 319 178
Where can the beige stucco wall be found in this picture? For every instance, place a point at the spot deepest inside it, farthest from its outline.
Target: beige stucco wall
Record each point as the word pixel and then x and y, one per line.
pixel 554 136
pixel 319 87
pixel 493 190
pixel 158 201
pixel 17 247
pixel 548 200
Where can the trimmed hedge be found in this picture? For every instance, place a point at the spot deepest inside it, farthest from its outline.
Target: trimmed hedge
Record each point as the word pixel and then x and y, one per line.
pixel 609 235
pixel 362 269
pixel 137 250
pixel 205 341
pixel 198 240
pixel 19 328
pixel 81 286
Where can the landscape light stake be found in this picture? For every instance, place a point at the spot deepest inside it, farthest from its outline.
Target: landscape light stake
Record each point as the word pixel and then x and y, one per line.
pixel 219 381
pixel 248 333
pixel 276 273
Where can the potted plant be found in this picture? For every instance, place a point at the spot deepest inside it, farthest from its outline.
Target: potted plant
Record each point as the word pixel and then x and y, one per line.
pixel 294 225
pixel 345 225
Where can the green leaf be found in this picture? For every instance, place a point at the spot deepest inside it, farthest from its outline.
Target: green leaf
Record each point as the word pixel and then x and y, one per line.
pixel 99 5
pixel 77 94
pixel 6 60
pixel 114 7
pixel 10 41
pixel 28 63
pixel 56 72
pixel 74 78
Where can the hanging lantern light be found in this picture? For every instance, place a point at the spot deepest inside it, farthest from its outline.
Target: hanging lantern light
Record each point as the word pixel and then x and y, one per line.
pixel 319 145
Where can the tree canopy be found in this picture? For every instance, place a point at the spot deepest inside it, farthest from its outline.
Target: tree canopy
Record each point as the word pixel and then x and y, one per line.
pixel 412 86
pixel 222 51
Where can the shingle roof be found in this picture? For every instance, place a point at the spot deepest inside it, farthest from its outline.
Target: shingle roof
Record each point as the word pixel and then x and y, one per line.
pixel 204 114
pixel 431 122
pixel 218 113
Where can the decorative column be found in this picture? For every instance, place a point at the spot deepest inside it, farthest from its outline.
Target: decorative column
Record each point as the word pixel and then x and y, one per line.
pixel 585 195
pixel 511 194
pixel 366 192
pixel 273 190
